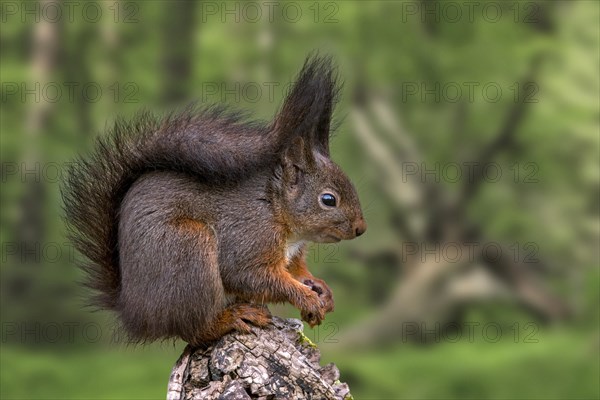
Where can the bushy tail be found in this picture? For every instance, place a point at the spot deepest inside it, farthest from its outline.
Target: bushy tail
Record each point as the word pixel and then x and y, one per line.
pixel 210 143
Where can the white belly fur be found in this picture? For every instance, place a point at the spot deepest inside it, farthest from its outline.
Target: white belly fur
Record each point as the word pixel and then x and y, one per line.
pixel 292 248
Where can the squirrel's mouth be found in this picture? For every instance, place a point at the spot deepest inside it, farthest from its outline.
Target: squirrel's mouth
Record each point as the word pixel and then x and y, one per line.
pixel 331 239
pixel 329 236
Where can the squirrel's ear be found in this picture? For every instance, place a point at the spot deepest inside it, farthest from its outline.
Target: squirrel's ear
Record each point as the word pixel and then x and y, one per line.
pixel 308 107
pixel 297 154
pixel 296 159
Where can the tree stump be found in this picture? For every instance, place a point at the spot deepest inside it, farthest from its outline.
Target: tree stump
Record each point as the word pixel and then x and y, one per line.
pixel 276 362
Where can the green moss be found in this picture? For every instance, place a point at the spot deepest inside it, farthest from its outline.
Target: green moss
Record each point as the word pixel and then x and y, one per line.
pixel 304 340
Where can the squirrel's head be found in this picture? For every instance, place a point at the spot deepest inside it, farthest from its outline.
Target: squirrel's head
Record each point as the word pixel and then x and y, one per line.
pixel 316 197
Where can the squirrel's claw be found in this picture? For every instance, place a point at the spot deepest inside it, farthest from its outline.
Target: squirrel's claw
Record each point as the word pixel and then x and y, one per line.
pixel 312 309
pixel 323 291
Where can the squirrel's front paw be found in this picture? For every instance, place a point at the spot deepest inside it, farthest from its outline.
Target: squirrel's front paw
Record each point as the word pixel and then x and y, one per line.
pixel 312 309
pixel 322 290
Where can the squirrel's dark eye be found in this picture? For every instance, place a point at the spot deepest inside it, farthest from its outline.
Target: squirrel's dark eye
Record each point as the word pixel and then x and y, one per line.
pixel 328 199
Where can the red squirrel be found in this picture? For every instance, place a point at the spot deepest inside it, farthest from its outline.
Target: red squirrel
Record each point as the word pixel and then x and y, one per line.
pixel 190 223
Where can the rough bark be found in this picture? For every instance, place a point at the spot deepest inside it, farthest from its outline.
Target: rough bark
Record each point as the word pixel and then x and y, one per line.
pixel 277 362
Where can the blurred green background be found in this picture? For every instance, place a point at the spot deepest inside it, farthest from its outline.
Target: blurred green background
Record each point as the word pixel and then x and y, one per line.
pixel 470 128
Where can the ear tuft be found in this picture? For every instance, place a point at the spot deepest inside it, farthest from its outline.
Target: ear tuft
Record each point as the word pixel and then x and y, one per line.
pixel 308 107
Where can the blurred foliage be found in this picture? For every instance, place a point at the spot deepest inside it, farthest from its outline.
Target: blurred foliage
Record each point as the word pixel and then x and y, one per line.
pixel 161 55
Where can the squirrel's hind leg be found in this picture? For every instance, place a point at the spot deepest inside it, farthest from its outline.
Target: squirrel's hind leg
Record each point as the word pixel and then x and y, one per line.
pixel 201 253
pixel 236 317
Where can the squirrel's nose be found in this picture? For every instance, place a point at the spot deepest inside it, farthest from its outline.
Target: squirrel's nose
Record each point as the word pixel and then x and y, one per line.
pixel 360 227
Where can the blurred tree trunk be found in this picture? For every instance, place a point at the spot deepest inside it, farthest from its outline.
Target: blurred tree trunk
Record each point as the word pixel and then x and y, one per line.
pixel 45 56
pixel 22 286
pixel 178 50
